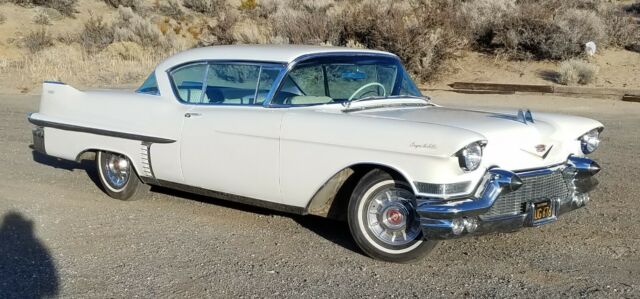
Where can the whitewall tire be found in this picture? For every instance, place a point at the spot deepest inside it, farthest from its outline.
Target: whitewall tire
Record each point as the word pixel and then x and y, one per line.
pixel 383 220
pixel 118 176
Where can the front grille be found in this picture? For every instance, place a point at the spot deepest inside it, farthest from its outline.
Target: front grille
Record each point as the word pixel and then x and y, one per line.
pixel 535 188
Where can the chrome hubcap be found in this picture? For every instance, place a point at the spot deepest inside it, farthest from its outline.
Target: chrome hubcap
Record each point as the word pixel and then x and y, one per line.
pixel 117 169
pixel 391 216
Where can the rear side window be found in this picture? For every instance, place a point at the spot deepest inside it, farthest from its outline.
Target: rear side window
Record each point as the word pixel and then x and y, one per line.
pixel 150 85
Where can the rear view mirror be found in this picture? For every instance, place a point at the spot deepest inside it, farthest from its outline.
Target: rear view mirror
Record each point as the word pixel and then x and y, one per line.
pixel 357 75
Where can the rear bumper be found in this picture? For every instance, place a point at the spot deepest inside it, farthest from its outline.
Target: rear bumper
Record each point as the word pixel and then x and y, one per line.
pixel 473 215
pixel 38 140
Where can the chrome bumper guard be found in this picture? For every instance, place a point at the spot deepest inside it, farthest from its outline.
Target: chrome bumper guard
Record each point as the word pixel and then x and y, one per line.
pixel 38 140
pixel 452 219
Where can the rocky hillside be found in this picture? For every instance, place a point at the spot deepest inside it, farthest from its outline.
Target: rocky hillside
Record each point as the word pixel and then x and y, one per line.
pixel 117 42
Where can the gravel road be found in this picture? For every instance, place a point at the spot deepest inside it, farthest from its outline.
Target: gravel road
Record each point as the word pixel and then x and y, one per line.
pixel 61 236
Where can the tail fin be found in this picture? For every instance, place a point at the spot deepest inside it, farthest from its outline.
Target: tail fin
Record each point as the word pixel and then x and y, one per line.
pixel 53 91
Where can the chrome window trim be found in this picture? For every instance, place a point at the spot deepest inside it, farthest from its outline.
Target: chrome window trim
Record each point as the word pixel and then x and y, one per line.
pixel 261 64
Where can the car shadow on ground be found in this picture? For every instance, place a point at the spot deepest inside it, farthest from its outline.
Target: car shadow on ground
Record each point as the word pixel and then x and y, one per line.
pixel 27 269
pixel 89 166
pixel 331 230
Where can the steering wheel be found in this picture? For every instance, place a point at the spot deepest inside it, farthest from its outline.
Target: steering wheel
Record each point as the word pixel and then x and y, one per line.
pixel 384 91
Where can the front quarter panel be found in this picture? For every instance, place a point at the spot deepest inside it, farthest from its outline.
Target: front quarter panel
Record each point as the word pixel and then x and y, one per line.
pixel 317 145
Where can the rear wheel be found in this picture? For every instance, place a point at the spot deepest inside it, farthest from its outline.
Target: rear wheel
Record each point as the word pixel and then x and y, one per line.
pixel 117 176
pixel 383 219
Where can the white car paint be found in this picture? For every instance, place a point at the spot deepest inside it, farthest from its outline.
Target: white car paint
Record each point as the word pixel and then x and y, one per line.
pixel 285 155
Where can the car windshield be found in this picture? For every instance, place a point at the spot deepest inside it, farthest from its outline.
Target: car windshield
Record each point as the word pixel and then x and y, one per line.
pixel 339 79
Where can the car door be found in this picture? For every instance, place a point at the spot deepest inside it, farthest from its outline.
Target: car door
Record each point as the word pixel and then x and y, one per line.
pixel 230 142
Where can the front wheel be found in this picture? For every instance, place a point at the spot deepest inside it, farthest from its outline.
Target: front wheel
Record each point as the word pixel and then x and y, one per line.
pixel 117 176
pixel 383 220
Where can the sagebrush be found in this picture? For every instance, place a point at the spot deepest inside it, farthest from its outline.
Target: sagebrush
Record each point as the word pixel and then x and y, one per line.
pixel 65 7
pixel 171 8
pixel 37 40
pixel 96 34
pixel 577 71
pixel 135 4
pixel 41 18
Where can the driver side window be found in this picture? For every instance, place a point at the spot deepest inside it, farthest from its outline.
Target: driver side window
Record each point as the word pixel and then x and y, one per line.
pixel 224 83
pixel 304 86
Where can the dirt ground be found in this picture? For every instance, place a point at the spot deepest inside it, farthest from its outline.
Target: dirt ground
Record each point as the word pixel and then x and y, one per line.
pixel 617 68
pixel 61 236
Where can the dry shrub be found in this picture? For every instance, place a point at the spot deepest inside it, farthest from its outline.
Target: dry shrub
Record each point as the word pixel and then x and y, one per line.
pixel 125 50
pixel 37 40
pixel 95 35
pixel 622 29
pixel 354 45
pixel 65 7
pixel 312 5
pixel 419 33
pixel 2 18
pixel 171 8
pixel 131 27
pixel 544 29
pixel 208 7
pixel 633 8
pixel 68 38
pixel 219 31
pixel 251 33
pixel 481 17
pixel 305 27
pixel 267 8
pixel 71 64
pixel 135 4
pixel 577 71
pixel 581 26
pixel 248 4
pixel 41 18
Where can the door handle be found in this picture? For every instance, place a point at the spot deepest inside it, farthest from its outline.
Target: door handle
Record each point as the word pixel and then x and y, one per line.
pixel 190 114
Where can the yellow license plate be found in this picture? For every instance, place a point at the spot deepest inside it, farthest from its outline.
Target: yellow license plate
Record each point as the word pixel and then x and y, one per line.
pixel 542 210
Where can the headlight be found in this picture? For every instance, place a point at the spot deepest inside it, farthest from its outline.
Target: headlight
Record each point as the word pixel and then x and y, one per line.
pixel 590 141
pixel 470 156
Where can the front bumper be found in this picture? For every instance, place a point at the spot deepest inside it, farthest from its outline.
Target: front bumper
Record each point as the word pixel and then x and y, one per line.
pixel 483 212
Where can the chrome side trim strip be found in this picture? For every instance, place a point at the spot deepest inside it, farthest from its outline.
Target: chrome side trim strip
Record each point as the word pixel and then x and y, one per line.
pixel 54 82
pixel 68 127
pixel 232 197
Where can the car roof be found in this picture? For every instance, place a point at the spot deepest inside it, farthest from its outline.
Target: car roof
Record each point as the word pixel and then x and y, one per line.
pixel 262 53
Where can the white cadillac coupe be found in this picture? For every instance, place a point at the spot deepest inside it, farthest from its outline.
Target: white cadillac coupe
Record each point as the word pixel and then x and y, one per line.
pixel 333 132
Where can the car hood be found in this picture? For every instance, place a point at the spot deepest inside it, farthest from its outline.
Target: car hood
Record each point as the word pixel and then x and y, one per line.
pixel 546 138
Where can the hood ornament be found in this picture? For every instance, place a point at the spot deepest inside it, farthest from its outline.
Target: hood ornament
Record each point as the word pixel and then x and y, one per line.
pixel 525 116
